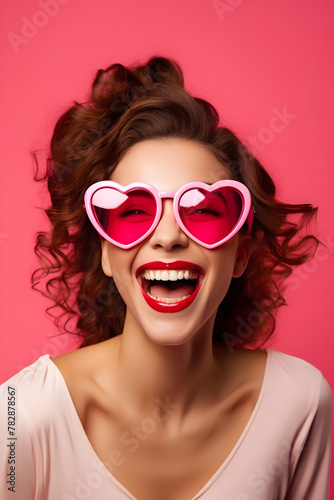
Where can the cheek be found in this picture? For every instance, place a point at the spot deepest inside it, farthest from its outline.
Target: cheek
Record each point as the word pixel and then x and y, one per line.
pixel 120 266
pixel 222 268
pixel 223 258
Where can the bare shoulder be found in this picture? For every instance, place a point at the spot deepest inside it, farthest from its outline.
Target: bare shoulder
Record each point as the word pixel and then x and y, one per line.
pixel 242 359
pixel 256 358
pixel 253 365
pixel 242 369
pixel 84 361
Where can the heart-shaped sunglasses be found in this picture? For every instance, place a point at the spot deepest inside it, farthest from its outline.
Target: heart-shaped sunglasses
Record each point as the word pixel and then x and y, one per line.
pixel 209 214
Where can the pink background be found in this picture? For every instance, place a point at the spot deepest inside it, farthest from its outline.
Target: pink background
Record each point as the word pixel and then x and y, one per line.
pixel 253 59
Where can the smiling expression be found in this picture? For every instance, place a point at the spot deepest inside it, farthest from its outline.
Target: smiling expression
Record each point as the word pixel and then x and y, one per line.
pixel 168 272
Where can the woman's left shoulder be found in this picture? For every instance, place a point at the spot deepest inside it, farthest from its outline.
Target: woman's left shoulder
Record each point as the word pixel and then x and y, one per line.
pixel 299 379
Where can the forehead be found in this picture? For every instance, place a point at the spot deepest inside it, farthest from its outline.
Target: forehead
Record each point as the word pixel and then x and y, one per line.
pixel 168 164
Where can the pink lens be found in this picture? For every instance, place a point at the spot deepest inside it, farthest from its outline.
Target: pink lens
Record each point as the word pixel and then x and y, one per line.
pixel 210 216
pixel 124 217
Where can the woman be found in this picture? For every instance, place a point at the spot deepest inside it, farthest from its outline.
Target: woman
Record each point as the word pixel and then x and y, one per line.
pixel 170 249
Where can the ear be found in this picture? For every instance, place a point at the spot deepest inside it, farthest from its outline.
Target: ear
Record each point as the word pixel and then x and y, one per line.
pixel 242 255
pixel 105 261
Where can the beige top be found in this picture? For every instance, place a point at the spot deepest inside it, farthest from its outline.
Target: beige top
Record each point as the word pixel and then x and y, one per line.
pixel 283 452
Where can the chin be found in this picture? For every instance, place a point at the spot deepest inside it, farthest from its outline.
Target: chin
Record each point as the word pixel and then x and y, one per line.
pixel 168 340
pixel 168 334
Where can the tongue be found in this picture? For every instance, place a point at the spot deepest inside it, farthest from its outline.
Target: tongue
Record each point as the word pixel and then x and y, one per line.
pixel 164 291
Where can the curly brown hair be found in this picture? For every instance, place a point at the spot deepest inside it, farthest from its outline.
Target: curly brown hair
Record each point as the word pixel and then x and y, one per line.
pixel 126 106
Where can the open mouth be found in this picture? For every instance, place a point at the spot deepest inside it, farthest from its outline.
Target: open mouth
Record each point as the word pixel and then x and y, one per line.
pixel 170 287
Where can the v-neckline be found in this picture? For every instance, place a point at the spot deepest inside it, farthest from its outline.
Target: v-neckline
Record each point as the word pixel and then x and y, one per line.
pixel 218 472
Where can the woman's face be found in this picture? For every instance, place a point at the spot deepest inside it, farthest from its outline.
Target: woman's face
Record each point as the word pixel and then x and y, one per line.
pixel 168 164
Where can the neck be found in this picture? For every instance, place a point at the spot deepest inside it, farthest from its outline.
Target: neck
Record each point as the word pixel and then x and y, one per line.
pixel 184 375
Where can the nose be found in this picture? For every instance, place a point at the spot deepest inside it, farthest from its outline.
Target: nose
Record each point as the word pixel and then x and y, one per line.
pixel 168 234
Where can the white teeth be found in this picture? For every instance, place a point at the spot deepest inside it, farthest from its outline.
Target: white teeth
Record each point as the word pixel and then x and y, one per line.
pixel 170 275
pixel 157 275
pixel 173 275
pixel 164 276
pixel 168 300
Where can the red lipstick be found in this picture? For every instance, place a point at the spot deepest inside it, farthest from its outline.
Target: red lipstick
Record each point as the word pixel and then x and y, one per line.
pixel 175 306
